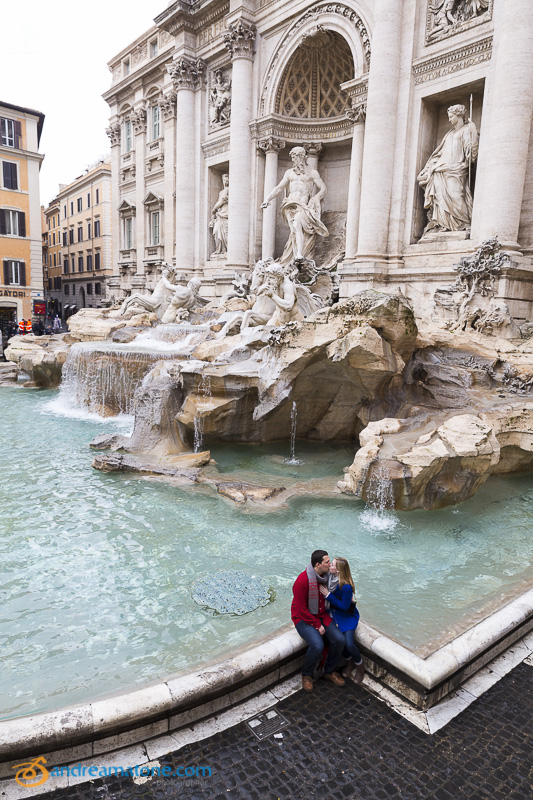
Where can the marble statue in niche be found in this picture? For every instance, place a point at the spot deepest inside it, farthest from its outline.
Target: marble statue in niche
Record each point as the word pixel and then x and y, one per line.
pixel 445 178
pixel 220 99
pixel 219 219
pixel 300 208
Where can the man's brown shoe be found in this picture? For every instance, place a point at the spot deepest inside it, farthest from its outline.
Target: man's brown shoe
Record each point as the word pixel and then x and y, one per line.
pixel 307 683
pixel 335 678
pixel 359 673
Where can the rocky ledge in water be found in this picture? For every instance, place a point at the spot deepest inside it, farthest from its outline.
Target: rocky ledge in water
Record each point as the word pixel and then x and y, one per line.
pixel 466 414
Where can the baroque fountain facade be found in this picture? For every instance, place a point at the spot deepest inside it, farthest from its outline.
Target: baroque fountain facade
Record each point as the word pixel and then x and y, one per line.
pixel 323 220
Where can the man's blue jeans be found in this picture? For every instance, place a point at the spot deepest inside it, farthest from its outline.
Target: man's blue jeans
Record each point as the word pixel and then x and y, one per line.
pixel 315 641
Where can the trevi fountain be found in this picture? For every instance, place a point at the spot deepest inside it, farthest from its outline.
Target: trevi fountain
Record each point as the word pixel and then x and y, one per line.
pixel 341 358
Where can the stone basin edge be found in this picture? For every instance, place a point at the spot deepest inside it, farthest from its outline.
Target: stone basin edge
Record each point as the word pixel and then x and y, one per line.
pixel 228 682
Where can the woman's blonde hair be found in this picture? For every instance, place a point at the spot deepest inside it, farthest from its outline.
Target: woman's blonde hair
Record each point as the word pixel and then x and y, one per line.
pixel 345 576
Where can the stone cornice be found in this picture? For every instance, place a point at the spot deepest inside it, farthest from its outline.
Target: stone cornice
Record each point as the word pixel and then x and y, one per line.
pixel 187 73
pixel 240 39
pixel 468 55
pixel 216 147
pixel 298 131
pixel 192 16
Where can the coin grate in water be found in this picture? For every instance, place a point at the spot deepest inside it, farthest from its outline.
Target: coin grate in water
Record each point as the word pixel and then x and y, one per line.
pixel 266 724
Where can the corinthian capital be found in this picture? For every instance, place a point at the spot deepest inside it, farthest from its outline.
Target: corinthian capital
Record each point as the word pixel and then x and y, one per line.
pixel 168 105
pixel 271 145
pixel 187 73
pixel 114 134
pixel 240 39
pixel 357 113
pixel 138 119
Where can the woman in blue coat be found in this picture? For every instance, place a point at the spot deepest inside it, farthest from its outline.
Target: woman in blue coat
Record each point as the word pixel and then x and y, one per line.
pixel 345 614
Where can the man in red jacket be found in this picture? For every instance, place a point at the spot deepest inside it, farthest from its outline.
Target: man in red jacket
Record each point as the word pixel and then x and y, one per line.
pixel 313 623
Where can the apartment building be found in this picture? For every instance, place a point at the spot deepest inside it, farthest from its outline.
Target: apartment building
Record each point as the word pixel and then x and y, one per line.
pixel 21 276
pixel 52 263
pixel 86 241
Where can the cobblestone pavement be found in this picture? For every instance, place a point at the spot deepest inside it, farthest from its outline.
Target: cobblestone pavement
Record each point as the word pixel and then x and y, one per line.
pixel 345 743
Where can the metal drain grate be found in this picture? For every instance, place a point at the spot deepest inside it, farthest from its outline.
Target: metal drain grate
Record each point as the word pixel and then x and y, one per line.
pixel 266 724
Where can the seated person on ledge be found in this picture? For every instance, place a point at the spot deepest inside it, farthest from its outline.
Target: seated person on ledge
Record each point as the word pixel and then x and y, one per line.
pixel 313 623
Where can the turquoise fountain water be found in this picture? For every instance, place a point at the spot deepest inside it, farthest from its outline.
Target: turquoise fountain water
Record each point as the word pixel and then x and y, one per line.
pixel 97 569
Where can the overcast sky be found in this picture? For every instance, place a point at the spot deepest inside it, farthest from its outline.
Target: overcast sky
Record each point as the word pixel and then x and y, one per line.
pixel 54 59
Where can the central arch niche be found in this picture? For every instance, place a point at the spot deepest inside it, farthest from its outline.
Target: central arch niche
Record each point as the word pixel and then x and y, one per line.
pixel 310 84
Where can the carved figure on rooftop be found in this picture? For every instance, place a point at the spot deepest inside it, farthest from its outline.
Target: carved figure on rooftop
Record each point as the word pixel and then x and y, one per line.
pixel 184 298
pixel 445 177
pixel 159 299
pixel 219 218
pixel 301 209
pixel 220 97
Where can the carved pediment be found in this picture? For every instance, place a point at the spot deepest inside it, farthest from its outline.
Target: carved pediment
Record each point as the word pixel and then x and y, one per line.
pixel 153 199
pixel 126 207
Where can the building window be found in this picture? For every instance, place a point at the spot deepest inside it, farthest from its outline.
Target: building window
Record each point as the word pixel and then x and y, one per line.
pixel 97 288
pixel 80 233
pixel 10 133
pixel 153 48
pixel 128 138
pixel 53 239
pixel 55 265
pixel 126 65
pixel 156 123
pixel 88 230
pixel 66 289
pixel 57 283
pixel 155 228
pixel 64 238
pixel 80 263
pixel 97 196
pixel 89 288
pixel 128 233
pixel 71 236
pixel 65 211
pixel 89 262
pixel 97 260
pixel 14 273
pixel 9 172
pixel 79 204
pixel 12 223
pixel 88 200
pixel 65 266
pixel 50 283
pixel 96 228
pixel 73 264
pixel 71 207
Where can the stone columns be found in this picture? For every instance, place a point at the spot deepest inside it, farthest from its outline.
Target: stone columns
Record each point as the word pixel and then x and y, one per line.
pixel 114 132
pixel 380 134
pixel 271 148
pixel 138 120
pixel 313 151
pixel 240 40
pixel 357 116
pixel 506 126
pixel 168 109
pixel 187 76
